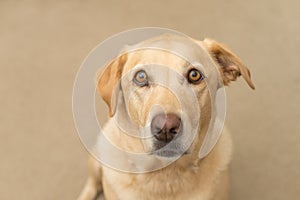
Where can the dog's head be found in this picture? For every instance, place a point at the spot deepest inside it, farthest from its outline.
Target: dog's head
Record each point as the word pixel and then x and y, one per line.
pixel 163 84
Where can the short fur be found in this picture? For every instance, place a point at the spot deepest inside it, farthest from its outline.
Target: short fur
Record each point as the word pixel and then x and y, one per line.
pixel 189 177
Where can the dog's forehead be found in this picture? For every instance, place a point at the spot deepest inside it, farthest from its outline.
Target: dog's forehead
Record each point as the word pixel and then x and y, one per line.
pixel 169 50
pixel 150 57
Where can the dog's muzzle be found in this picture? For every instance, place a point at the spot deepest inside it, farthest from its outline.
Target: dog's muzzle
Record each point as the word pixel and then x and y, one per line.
pixel 166 129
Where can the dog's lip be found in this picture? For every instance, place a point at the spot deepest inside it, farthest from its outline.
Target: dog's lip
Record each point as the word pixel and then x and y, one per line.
pixel 170 153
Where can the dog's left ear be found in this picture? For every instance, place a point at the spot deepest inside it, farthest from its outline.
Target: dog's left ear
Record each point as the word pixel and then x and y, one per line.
pixel 230 65
pixel 108 82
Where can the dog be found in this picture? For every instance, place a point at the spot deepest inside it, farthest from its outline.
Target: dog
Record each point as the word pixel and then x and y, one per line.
pixel 138 88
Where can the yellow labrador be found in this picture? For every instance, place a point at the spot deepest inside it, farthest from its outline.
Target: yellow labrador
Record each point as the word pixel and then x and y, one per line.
pixel 133 84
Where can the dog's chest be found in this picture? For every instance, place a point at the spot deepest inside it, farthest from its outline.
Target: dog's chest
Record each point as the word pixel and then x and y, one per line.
pixel 162 186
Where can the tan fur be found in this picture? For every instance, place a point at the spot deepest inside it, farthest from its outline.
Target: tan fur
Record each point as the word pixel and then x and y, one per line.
pixel 189 177
pixel 231 66
pixel 108 83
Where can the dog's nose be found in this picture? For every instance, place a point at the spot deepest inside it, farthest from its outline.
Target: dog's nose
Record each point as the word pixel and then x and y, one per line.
pixel 164 127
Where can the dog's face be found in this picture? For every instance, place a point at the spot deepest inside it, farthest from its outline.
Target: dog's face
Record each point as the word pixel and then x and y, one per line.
pixel 166 96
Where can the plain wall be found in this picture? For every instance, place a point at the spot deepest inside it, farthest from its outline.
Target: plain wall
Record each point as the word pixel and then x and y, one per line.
pixel 43 43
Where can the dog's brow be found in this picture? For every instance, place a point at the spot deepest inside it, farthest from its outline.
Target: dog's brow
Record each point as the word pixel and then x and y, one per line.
pixel 186 64
pixel 181 79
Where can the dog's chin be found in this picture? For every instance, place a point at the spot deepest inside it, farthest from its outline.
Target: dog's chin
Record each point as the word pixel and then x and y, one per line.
pixel 168 153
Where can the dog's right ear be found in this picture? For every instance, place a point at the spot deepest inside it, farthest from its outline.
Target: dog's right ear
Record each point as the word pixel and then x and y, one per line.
pixel 108 82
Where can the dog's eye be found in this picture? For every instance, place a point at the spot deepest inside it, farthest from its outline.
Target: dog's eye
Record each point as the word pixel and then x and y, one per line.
pixel 141 78
pixel 195 76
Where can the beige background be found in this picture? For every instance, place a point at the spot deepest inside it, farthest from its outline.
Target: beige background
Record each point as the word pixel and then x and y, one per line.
pixel 42 44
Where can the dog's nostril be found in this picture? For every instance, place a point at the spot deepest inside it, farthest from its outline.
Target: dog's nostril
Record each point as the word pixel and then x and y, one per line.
pixel 159 131
pixel 173 130
pixel 164 127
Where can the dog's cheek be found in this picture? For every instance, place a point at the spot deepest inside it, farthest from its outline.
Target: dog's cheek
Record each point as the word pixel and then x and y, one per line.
pixel 136 106
pixel 133 111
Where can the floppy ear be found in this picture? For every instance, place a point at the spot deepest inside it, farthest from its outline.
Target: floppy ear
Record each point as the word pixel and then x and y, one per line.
pixel 231 66
pixel 108 82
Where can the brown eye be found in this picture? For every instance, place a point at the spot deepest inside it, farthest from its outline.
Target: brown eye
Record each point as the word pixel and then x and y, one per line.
pixel 195 76
pixel 141 78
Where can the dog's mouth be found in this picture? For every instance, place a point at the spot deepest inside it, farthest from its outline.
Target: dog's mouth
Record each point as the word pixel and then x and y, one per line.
pixel 170 153
pixel 170 150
